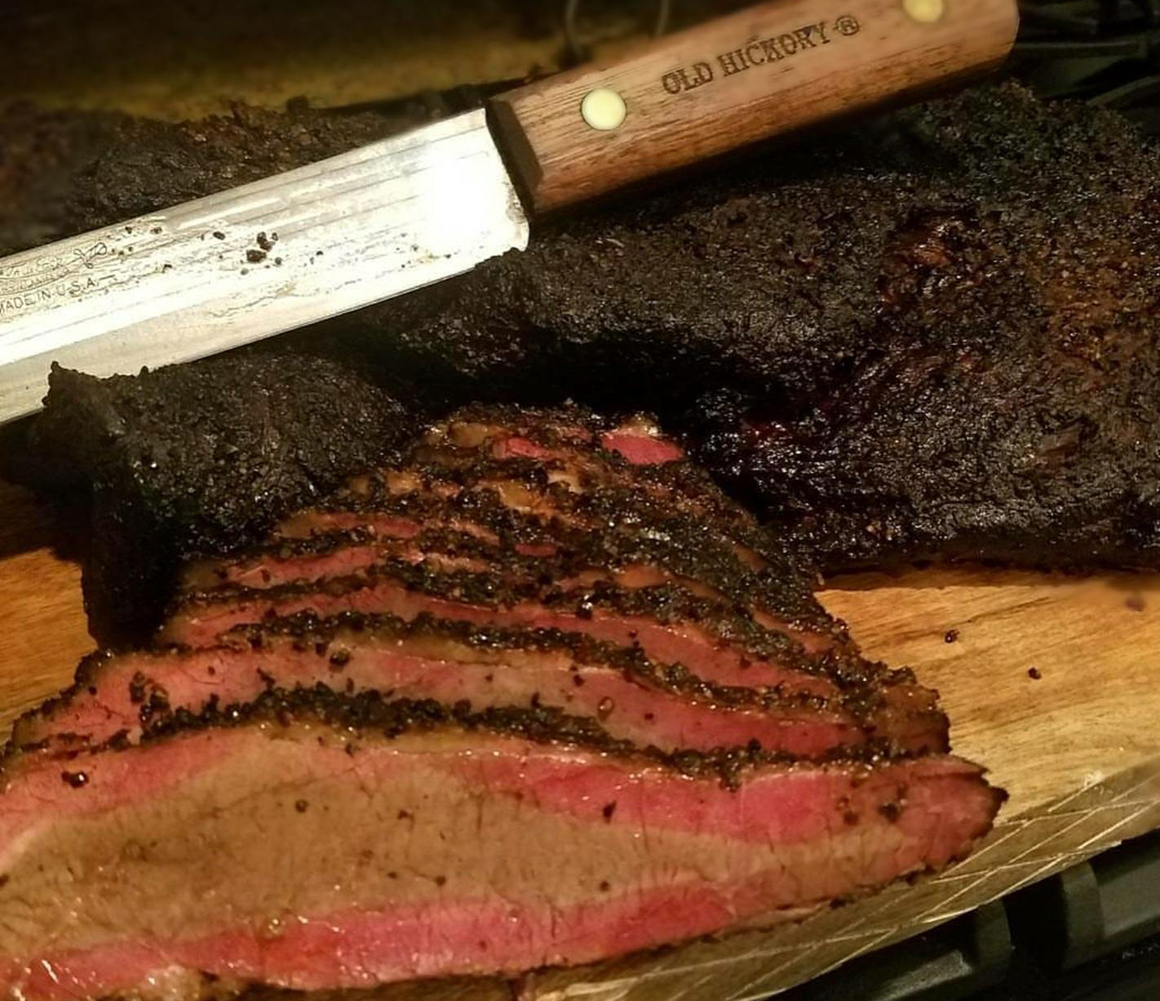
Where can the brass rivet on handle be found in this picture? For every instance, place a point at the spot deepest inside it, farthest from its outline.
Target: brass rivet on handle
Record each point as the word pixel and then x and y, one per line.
pixel 925 11
pixel 603 109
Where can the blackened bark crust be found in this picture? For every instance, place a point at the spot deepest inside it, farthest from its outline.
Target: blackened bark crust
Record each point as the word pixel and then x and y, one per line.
pixel 936 337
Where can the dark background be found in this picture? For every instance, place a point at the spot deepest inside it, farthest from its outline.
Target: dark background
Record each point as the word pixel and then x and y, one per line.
pixel 189 58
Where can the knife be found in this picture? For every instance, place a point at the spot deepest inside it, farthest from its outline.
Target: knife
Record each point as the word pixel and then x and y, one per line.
pixel 399 214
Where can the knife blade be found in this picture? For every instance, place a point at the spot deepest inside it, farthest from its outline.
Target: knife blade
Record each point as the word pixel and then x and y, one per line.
pixel 394 216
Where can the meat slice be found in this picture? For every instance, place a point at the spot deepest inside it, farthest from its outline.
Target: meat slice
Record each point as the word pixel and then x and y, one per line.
pixel 566 559
pixel 718 647
pixel 322 843
pixel 696 631
pixel 584 458
pixel 632 698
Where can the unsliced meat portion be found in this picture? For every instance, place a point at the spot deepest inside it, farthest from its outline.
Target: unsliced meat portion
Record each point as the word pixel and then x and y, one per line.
pixel 356 842
pixel 176 463
pixel 932 337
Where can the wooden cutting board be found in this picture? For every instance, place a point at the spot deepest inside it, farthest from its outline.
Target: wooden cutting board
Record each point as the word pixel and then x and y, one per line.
pixel 1077 748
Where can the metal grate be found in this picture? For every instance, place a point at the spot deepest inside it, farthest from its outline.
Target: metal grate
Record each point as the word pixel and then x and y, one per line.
pixel 1091 933
pixel 1106 52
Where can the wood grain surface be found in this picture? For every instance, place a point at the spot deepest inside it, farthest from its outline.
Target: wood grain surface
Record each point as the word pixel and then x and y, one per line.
pixel 1078 748
pixel 767 70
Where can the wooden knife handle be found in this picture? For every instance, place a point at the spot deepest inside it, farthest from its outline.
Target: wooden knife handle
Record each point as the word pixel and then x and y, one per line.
pixel 761 72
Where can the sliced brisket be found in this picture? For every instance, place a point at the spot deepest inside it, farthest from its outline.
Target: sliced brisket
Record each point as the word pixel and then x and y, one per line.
pixel 554 573
pixel 317 842
pixel 534 693
pixel 636 556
